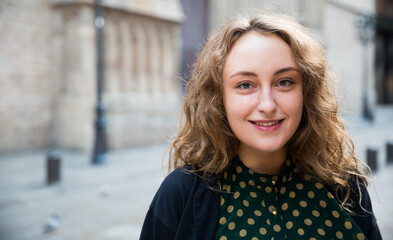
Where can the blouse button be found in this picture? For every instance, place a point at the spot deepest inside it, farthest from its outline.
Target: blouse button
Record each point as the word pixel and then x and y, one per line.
pixel 274 183
pixel 274 212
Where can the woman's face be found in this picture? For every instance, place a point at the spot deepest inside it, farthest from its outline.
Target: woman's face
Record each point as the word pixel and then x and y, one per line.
pixel 263 95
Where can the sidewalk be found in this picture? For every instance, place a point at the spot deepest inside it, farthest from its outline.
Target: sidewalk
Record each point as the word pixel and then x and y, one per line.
pixel 109 202
pixel 93 202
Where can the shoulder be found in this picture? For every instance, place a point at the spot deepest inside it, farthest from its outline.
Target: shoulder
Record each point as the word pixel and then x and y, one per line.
pixel 359 200
pixel 169 204
pixel 179 183
pixel 177 192
pixel 182 203
pixel 175 197
pixel 360 206
pixel 184 173
pixel 358 195
pixel 184 180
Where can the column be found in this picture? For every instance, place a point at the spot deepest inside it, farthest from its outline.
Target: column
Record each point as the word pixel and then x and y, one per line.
pixel 127 52
pixel 141 60
pixel 155 61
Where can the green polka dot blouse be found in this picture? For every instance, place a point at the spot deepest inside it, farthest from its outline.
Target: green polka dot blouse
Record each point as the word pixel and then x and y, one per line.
pixel 286 206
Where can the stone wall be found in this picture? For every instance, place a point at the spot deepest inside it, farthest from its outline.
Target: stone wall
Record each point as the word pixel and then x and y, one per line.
pixel 74 71
pixel 141 92
pixel 26 81
pixel 346 52
pixel 48 72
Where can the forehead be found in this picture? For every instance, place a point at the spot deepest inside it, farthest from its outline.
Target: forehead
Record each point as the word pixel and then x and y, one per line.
pixel 259 51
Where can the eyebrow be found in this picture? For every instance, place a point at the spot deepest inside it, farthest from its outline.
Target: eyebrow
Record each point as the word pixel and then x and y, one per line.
pixel 246 73
pixel 286 70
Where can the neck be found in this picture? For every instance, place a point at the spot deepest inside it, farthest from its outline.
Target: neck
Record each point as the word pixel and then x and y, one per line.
pixel 265 163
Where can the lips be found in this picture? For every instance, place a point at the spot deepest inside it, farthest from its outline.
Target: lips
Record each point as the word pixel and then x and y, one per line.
pixel 267 125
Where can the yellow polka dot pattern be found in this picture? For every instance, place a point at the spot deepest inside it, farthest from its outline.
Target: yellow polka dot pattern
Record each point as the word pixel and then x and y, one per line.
pixel 287 206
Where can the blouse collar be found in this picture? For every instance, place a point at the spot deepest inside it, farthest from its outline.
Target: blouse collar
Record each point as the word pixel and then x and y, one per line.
pixel 243 172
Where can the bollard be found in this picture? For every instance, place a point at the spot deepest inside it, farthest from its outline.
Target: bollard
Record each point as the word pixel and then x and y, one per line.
pixel 389 152
pixel 52 168
pixel 372 159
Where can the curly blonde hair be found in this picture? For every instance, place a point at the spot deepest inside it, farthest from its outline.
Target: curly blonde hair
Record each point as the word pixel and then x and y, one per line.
pixel 320 145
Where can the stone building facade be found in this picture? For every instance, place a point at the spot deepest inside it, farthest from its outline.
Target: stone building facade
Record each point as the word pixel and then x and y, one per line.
pixel 25 74
pixel 48 72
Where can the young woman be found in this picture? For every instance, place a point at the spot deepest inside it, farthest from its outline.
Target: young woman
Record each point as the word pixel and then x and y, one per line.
pixel 262 153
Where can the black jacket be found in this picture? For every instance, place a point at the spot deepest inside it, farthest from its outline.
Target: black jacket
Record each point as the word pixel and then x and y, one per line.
pixel 185 208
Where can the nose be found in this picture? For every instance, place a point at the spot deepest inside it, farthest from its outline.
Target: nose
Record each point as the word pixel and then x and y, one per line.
pixel 266 102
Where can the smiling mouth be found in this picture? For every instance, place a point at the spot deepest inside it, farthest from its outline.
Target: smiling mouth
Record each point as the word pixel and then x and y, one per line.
pixel 267 124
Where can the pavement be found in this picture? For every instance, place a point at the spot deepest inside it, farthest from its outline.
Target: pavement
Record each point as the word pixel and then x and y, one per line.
pixel 109 202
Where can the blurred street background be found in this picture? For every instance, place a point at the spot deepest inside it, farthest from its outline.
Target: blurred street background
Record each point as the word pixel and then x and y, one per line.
pixel 91 92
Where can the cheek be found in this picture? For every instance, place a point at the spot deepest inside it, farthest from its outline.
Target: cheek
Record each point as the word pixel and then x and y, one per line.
pixel 292 105
pixel 296 103
pixel 233 111
pixel 234 104
pixel 237 109
pixel 296 108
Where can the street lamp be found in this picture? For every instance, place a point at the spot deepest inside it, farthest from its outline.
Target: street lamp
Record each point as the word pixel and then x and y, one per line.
pixel 100 148
pixel 366 27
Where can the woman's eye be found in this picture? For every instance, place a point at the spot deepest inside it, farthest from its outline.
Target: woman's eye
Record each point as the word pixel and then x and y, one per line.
pixel 285 83
pixel 245 85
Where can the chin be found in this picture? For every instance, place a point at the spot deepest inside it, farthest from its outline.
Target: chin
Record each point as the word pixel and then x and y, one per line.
pixel 270 149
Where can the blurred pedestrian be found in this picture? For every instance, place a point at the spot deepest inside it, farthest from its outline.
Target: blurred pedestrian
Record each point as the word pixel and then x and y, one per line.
pixel 262 153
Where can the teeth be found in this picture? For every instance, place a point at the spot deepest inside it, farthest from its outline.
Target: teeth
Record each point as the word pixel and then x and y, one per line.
pixel 267 124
